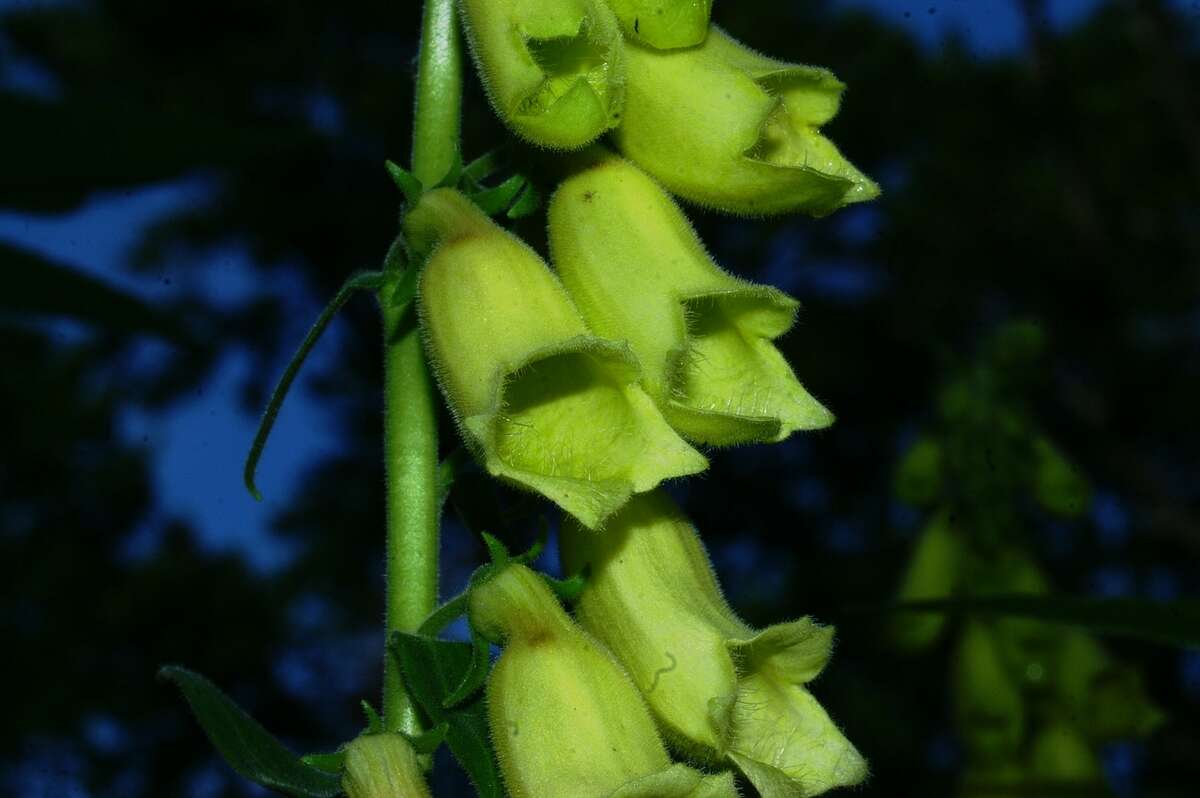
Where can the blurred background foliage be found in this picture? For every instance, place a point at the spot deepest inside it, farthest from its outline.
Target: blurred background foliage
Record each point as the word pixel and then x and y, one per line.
pixel 1055 181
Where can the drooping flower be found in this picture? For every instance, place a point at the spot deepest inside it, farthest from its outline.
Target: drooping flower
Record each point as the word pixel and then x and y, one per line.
pixel 637 272
pixel 553 69
pixel 564 717
pixel 664 24
pixel 726 127
pixel 382 766
pixel 720 690
pixel 544 403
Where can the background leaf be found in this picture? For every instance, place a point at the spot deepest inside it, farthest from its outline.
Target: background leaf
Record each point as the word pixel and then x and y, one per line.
pixel 433 669
pixel 246 746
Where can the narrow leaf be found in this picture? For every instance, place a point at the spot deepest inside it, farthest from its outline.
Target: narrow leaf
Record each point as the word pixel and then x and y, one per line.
pixel 444 615
pixel 246 746
pixel 406 288
pixel 406 181
pixel 432 669
pixel 494 200
pixel 1175 622
pixel 374 722
pixel 496 549
pixel 450 179
pixel 368 281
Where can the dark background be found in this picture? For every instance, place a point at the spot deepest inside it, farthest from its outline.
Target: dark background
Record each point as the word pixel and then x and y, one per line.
pixel 222 162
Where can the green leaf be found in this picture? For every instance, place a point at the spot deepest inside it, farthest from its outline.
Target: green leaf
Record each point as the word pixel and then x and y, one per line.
pixel 246 746
pixel 364 281
pixel 1175 622
pixel 496 549
pixel 527 203
pixel 406 288
pixel 432 670
pixel 475 676
pixel 331 762
pixel 406 181
pixel 494 200
pixel 35 285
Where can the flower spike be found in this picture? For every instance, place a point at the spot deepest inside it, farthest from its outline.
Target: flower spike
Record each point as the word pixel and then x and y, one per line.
pixel 637 272
pixel 728 128
pixel 541 401
pixel 553 69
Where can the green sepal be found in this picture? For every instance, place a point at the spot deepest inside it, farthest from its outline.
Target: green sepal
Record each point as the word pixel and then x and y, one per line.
pixel 453 172
pixel 476 674
pixel 405 290
pixel 406 181
pixel 245 745
pixel 486 165
pixel 679 781
pixel 495 200
pixel 526 204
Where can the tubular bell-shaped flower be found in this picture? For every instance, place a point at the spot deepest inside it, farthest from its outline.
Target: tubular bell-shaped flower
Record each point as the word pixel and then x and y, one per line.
pixel 382 766
pixel 553 69
pixel 720 690
pixel 543 403
pixel 726 127
pixel 637 272
pixel 665 24
pixel 565 719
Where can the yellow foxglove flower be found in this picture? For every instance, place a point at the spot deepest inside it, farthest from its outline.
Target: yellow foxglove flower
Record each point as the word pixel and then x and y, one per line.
pixel 565 719
pixel 726 127
pixel 720 690
pixel 544 403
pixel 637 272
pixel 665 24
pixel 554 69
pixel 932 573
pixel 988 704
pixel 382 766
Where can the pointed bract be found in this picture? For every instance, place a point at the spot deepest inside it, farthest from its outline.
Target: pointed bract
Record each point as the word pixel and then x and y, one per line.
pixel 543 402
pixel 553 69
pixel 565 719
pixel 637 272
pixel 728 128
pixel 720 690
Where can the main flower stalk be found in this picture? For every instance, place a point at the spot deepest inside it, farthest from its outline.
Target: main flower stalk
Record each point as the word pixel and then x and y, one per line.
pixel 410 409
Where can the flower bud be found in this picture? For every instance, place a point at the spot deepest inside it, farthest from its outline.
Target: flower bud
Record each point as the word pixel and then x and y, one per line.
pixel 726 127
pixel 932 573
pixel 553 69
pixel 382 766
pixel 988 705
pixel 564 717
pixel 720 690
pixel 637 272
pixel 542 402
pixel 664 24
